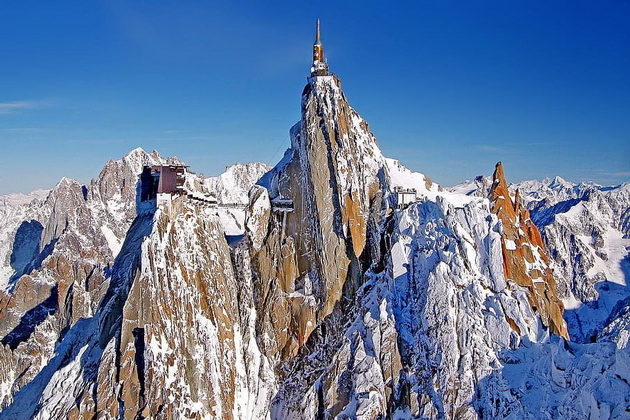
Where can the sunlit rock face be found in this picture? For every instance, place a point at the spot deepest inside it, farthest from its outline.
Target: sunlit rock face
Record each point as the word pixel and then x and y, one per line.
pixel 333 177
pixel 121 321
pixel 60 256
pixel 525 259
pixel 585 230
pixel 178 330
pixel 75 232
pixel 309 292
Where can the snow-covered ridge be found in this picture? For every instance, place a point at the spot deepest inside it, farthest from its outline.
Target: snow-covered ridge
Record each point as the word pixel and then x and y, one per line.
pixel 68 239
pixel 232 186
pixel 556 190
pixel 443 299
pixel 586 228
pixel 426 189
pixel 335 303
pixel 109 202
pixel 550 190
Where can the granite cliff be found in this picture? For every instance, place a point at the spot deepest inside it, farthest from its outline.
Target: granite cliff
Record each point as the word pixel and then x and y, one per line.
pixel 324 296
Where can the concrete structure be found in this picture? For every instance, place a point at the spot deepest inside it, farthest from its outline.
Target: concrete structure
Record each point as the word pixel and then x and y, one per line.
pixel 404 196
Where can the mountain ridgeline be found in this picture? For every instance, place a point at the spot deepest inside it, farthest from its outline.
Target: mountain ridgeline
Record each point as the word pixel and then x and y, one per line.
pixel 337 284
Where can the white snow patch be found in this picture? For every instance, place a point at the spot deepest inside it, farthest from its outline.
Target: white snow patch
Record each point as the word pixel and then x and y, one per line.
pixel 113 241
pixel 510 245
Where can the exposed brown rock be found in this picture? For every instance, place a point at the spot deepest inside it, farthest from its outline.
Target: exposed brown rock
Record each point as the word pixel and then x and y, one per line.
pixel 310 253
pixel 525 260
pixel 69 278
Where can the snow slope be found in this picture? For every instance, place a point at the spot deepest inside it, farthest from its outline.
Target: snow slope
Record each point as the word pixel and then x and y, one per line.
pixel 586 229
pixel 334 303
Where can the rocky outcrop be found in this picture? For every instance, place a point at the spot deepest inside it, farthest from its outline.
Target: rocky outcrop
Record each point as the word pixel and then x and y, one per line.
pixel 133 316
pixel 525 260
pixel 338 302
pixel 77 232
pixel 66 261
pixel 590 252
pixel 332 176
pixel 585 230
pixel 173 331
pixel 63 283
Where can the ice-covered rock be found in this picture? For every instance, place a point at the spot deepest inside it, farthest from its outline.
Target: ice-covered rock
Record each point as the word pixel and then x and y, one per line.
pixel 585 229
pixel 233 185
pixel 331 298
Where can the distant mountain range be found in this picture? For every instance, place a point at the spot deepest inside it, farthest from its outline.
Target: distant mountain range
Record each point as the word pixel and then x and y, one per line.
pixel 337 284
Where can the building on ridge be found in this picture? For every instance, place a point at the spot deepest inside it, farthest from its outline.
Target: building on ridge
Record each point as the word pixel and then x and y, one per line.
pixel 162 182
pixel 404 196
pixel 320 66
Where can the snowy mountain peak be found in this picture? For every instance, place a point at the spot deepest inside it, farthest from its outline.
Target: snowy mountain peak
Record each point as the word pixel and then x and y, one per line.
pixel 137 158
pixel 322 204
pixel 232 186
pixel 338 284
pixel 65 182
pixel 559 182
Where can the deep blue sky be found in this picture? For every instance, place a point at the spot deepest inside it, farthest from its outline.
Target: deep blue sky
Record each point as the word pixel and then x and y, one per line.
pixel 449 88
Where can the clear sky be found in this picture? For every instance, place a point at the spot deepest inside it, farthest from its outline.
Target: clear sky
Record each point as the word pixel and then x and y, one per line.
pixel 448 87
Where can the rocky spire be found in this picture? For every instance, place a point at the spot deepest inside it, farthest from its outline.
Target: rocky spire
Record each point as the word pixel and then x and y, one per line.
pixel 331 179
pixel 525 260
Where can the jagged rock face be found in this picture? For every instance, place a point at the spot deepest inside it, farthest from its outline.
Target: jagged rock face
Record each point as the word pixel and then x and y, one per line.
pixel 184 338
pixel 63 284
pixel 575 227
pixel 525 260
pixel 585 230
pixel 345 307
pixel 331 176
pixel 144 336
pixel 455 311
pixel 589 246
pixel 185 308
pixel 72 238
pixel 439 333
pixel 114 191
